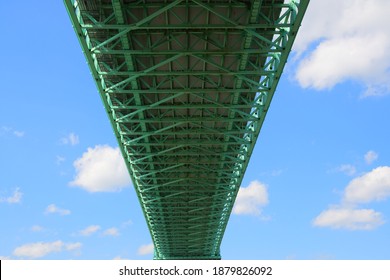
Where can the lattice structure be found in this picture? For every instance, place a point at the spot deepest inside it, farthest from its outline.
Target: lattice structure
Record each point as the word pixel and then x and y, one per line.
pixel 186 85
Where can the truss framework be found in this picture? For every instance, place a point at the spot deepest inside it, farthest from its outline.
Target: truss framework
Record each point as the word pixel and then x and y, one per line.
pixel 186 85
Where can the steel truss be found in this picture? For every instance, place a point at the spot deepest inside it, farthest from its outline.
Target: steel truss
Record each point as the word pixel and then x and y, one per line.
pixel 186 85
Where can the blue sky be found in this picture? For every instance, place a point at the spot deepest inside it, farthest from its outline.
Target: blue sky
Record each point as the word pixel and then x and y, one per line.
pixel 317 187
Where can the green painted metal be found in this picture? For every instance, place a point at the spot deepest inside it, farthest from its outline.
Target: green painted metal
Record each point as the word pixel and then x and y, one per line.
pixel 186 85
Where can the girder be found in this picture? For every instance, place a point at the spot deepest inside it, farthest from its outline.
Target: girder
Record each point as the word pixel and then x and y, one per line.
pixel 186 85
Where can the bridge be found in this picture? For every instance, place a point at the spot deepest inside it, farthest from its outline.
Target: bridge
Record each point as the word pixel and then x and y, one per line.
pixel 186 85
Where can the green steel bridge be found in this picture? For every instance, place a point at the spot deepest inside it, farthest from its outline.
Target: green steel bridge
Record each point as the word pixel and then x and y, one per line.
pixel 186 85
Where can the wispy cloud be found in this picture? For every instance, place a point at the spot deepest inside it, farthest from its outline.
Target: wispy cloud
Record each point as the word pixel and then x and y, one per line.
pixel 119 258
pixel 146 249
pixel 36 228
pixel 370 157
pixel 59 160
pixel 16 197
pixel 347 169
pixel 273 173
pixel 101 169
pixel 53 209
pixel 111 232
pixel 126 223
pixel 41 249
pixel 12 131
pixel 71 139
pixel 251 199
pixel 89 230
pixel 72 246
pixel 18 133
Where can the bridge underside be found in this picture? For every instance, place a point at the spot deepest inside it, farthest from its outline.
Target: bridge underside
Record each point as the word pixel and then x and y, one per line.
pixel 186 85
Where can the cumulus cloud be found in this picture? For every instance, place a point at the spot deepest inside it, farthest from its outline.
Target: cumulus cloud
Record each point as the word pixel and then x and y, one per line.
pixel 146 249
pixel 41 249
pixel 111 232
pixel 53 209
pixel 250 199
pixel 351 219
pixel 89 230
pixel 372 186
pixel 16 197
pixel 347 43
pixel 101 169
pixel 370 157
pixel 71 139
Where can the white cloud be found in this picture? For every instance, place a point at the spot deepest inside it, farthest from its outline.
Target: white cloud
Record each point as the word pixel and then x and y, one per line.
pixel 351 219
pixel 111 232
pixel 53 209
pixel 72 246
pixel 119 258
pixel 16 197
pixel 59 160
pixel 71 139
pixel 18 133
pixel 5 128
pixel 41 249
pixel 146 249
pixel 36 228
pixel 4 258
pixel 10 130
pixel 101 169
pixel 250 199
pixel 89 230
pixel 127 223
pixel 370 157
pixel 374 185
pixel 350 43
pixel 273 173
pixel 348 169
